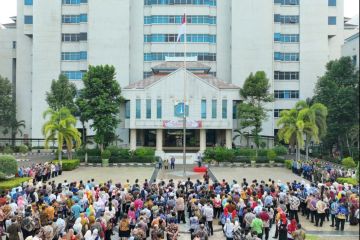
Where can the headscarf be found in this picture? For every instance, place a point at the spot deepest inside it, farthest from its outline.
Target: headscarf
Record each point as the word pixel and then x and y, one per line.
pixel 292 226
pixel 87 235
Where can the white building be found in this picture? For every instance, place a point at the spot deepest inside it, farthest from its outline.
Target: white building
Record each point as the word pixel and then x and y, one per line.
pixel 351 48
pixel 291 40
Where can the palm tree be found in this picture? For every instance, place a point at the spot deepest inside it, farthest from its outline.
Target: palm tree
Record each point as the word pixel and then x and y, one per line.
pixel 61 126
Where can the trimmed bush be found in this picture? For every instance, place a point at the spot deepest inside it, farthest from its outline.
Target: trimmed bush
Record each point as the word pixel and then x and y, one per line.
pixel 271 155
pixel 244 152
pixel 280 150
pixel 261 159
pixel 279 160
pixel 69 165
pixel 240 159
pixel 140 152
pixel 351 181
pixel 106 154
pixel 23 149
pixel 8 166
pixel 348 162
pixel 9 184
pixel 288 164
pixel 224 154
pixel 8 150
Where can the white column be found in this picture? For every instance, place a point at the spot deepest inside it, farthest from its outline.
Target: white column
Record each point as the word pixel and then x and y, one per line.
pixel 159 140
pixel 228 138
pixel 202 140
pixel 132 139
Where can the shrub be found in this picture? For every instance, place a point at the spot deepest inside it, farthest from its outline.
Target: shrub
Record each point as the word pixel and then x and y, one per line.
pixel 262 160
pixel 262 152
pixel 9 184
pixel 8 166
pixel 242 159
pixel 8 150
pixel 271 155
pixel 209 154
pixel 348 162
pixel 280 150
pixel 279 160
pixel 23 149
pixel 244 152
pixel 351 181
pixel 140 152
pixel 288 164
pixel 106 154
pixel 224 155
pixel 69 165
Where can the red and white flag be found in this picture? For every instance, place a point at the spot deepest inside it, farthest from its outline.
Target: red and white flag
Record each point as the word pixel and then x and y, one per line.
pixel 182 30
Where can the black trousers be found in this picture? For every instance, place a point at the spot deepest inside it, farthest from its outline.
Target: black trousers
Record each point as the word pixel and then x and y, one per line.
pixel 332 220
pixel 294 215
pixel 266 231
pixel 340 223
pixel 320 217
pixel 181 216
pixel 210 224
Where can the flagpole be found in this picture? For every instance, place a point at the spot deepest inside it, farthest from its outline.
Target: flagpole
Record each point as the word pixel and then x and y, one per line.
pixel 184 104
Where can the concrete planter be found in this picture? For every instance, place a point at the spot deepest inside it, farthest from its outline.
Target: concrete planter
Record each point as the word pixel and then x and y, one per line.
pixel 272 163
pixel 105 162
pixel 253 163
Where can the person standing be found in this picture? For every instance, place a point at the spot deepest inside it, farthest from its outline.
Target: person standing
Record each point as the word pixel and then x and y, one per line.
pixel 208 212
pixel 14 230
pixel 172 162
pixel 340 217
pixel 320 208
pixel 180 208
pixel 257 226
pixel 294 207
pixel 229 229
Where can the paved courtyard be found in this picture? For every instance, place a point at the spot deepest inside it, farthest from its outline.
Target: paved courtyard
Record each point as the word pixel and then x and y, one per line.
pixel 100 174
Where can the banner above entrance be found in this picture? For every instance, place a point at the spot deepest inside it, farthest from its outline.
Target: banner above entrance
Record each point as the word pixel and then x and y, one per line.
pixel 180 124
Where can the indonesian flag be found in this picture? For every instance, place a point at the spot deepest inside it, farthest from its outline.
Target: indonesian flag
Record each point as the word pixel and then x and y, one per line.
pixel 182 30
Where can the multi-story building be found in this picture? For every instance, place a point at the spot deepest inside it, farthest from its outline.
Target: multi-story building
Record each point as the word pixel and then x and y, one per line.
pixel 351 48
pixel 291 40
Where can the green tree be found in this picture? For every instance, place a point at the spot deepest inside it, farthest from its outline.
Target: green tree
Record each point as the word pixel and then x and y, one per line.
pixel 295 123
pixel 338 89
pixel 61 126
pixel 252 111
pixel 62 94
pixel 7 104
pixel 99 101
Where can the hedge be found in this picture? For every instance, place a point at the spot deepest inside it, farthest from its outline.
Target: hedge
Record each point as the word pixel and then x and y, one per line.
pixel 351 181
pixel 8 166
pixel 288 164
pixel 12 183
pixel 69 165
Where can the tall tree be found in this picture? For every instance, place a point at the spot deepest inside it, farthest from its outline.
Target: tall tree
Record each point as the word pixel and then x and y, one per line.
pixel 295 124
pixel 252 111
pixel 99 101
pixel 338 89
pixel 62 94
pixel 61 126
pixel 7 104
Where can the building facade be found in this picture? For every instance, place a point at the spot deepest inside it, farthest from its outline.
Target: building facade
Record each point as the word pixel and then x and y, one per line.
pixel 291 40
pixel 351 48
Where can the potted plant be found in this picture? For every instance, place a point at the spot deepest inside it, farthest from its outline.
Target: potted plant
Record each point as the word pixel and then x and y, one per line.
pixel 271 155
pixel 105 155
pixel 23 149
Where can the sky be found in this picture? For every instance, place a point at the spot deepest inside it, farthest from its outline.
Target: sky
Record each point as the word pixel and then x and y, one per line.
pixel 8 9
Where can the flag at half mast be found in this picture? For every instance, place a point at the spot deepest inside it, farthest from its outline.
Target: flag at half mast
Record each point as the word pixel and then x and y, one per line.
pixel 182 30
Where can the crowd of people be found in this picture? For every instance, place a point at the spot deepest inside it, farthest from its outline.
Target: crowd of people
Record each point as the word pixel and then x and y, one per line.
pixel 133 210
pixel 41 172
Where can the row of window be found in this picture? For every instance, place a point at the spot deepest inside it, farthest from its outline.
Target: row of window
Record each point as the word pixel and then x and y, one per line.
pixel 74 37
pixel 278 75
pixel 73 2
pixel 286 94
pixel 28 19
pixel 148 111
pixel 287 57
pixel 286 19
pixel 178 2
pixel 277 112
pixel 287 2
pixel 161 56
pixel 74 75
pixel 294 38
pixel 149 74
pixel 74 56
pixel 177 19
pixel 82 18
pixel 195 38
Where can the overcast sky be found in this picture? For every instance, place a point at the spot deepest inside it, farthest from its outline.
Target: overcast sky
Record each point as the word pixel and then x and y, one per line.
pixel 8 9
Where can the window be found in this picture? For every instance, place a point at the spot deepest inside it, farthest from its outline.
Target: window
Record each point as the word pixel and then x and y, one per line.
pixel 138 109
pixel 158 108
pixel 177 19
pixel 82 18
pixel 286 94
pixel 224 109
pixel 287 57
pixel 28 19
pixel 14 44
pixel 127 109
pixel 178 2
pixel 203 109
pixel 287 2
pixel 148 108
pixel 28 2
pixel 191 38
pixel 332 20
pixel 74 75
pixel 277 112
pixel 278 75
pixel 73 56
pixel 161 56
pixel 278 37
pixel 147 74
pixel 354 60
pixel 235 108
pixel 214 108
pixel 286 19
pixel 332 3
pixel 73 2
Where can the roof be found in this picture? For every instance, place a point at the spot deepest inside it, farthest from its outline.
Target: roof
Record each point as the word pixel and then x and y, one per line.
pixel 352 37
pixel 210 79
pixel 172 66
